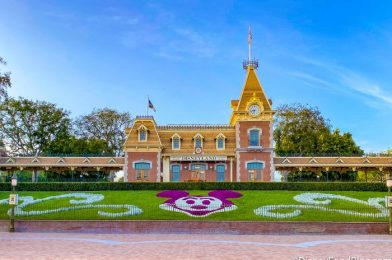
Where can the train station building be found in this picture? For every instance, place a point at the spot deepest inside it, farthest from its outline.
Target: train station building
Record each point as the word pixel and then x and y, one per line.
pixel 242 150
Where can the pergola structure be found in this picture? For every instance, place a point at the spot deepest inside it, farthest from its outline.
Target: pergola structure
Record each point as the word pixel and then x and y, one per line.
pixel 61 164
pixel 337 164
pixel 110 164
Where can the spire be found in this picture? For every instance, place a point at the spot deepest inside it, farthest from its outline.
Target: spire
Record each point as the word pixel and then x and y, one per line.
pixel 250 63
pixel 250 44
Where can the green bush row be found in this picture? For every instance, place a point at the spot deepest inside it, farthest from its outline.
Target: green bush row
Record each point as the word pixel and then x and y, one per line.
pixel 96 186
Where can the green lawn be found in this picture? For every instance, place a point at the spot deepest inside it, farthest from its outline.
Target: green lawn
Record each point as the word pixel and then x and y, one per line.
pixel 149 203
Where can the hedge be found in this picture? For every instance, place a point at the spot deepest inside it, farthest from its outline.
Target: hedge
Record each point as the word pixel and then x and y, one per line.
pixel 97 186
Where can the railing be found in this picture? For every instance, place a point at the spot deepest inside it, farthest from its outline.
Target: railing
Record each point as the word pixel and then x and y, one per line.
pixel 172 212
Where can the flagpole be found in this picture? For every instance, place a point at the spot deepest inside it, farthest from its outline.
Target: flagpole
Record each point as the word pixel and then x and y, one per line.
pixel 148 99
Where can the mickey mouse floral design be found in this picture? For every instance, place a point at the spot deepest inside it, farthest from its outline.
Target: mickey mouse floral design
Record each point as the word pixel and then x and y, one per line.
pixel 196 205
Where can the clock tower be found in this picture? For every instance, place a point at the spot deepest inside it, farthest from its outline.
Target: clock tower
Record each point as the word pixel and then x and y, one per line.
pixel 252 117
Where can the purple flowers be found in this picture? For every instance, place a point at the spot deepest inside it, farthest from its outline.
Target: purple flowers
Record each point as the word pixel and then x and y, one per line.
pixel 198 206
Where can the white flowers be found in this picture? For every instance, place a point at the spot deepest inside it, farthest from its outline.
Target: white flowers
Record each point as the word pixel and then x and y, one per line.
pixel 85 200
pixel 318 201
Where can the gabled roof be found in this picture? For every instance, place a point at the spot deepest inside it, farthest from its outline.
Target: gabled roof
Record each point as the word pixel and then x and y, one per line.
pixel 35 160
pixel 313 160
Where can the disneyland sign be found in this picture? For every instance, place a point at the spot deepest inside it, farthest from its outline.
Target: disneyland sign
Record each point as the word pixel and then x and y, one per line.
pixel 198 158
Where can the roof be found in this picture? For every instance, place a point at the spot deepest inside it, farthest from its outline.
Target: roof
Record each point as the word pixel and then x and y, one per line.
pixel 59 162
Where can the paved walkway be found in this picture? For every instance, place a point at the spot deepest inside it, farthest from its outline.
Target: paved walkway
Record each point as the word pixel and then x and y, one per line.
pixel 129 246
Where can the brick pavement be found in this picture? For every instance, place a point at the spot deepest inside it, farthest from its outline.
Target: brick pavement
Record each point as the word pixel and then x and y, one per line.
pixel 182 246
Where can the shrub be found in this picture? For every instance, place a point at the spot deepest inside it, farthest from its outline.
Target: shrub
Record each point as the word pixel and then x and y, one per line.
pixel 295 186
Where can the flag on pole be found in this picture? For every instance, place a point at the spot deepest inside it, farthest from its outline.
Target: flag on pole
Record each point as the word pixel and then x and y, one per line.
pixel 150 105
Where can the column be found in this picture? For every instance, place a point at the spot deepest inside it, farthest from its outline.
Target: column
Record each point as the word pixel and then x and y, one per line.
pixel 231 169
pixel 34 175
pixel 166 169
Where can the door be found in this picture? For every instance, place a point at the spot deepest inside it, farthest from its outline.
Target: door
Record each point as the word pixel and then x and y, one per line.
pixel 220 173
pixel 176 173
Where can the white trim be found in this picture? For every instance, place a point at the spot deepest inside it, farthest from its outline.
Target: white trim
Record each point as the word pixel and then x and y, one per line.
pixel 220 136
pixel 260 133
pixel 126 167
pixel 253 161
pixel 224 164
pixel 190 165
pixel 198 136
pixel 141 161
pixel 174 164
pixel 179 141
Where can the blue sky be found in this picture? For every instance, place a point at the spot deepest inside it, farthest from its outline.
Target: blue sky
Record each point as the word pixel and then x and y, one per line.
pixel 187 56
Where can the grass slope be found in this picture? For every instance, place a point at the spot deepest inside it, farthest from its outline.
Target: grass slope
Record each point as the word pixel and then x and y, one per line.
pixel 149 203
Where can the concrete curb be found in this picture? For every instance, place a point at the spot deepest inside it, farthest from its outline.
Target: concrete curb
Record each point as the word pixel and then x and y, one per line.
pixel 196 227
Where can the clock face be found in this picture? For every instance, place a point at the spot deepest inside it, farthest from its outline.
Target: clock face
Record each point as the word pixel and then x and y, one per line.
pixel 254 110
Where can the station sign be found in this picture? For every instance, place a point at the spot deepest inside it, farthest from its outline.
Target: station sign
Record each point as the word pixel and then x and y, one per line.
pixel 13 199
pixel 388 201
pixel 198 158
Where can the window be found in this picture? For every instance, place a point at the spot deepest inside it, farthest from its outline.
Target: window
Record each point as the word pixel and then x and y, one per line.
pixel 176 142
pixel 254 137
pixel 198 166
pixel 142 133
pixel 220 142
pixel 198 142
pixel 255 170
pixel 142 170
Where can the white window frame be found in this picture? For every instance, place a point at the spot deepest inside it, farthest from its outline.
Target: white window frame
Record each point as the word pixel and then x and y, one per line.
pixel 198 136
pixel 179 141
pixel 142 127
pixel 220 136
pixel 260 134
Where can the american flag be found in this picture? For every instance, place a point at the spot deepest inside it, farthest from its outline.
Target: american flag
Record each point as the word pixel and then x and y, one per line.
pixel 150 105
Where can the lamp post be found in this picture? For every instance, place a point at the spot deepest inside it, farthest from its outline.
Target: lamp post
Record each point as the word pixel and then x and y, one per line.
pixel 14 182
pixel 389 185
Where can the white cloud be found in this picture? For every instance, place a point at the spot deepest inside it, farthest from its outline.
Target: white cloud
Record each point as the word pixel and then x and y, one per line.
pixel 345 80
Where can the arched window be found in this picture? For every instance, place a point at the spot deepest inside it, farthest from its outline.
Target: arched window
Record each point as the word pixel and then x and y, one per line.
pixel 254 137
pixel 142 133
pixel 176 142
pixel 220 142
pixel 255 170
pixel 198 139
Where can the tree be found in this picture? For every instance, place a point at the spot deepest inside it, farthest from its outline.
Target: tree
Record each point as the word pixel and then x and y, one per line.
pixel 105 124
pixel 5 80
pixel 304 131
pixel 299 129
pixel 29 127
pixel 77 147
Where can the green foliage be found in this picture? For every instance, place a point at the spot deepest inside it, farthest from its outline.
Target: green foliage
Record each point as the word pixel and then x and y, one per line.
pixel 96 186
pixel 29 127
pixel 78 146
pixel 371 176
pixel 107 125
pixel 302 130
pixel 5 80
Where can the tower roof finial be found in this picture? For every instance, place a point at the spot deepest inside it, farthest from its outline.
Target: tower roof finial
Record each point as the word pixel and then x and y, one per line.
pixel 250 63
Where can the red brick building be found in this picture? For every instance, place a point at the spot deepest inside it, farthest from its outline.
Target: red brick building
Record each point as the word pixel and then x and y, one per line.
pixel 239 151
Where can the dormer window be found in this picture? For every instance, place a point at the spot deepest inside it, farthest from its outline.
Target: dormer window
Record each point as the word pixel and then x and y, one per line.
pixel 142 133
pixel 198 139
pixel 176 142
pixel 254 137
pixel 220 142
